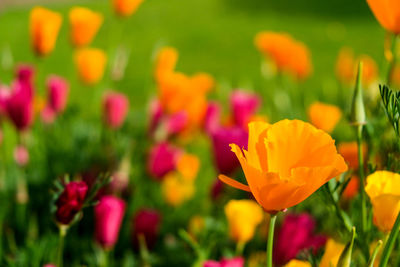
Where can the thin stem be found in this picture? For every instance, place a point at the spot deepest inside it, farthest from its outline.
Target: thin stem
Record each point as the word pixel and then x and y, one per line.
pixel 390 243
pixel 362 178
pixel 62 233
pixel 371 262
pixel 270 243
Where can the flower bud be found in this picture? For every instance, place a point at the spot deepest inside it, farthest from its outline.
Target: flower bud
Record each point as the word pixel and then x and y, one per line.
pixel 70 202
pixel 357 106
pixel 146 223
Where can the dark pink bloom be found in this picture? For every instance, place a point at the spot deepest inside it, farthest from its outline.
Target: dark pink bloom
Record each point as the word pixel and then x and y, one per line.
pixel 109 213
pixel 25 72
pixel 175 123
pixel 243 106
pixel 212 119
pixel 234 262
pixel 115 109
pixel 49 265
pixel 225 160
pixel 162 159
pixel 146 223
pixel 58 90
pixel 70 201
pixel 156 113
pixel 21 155
pixel 295 235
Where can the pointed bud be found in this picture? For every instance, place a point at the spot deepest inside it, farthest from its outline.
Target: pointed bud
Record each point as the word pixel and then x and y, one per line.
pixel 345 257
pixel 357 106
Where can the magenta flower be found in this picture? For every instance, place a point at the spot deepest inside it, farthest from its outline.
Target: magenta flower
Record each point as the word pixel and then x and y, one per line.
pixel 177 122
pixel 212 118
pixel 226 161
pixel 115 109
pixel 58 90
pixel 162 159
pixel 70 201
pixel 146 223
pixel 109 213
pixel 243 106
pixel 19 105
pixel 234 262
pixel 25 72
pixel 21 155
pixel 295 235
pixel 48 115
pixel 156 113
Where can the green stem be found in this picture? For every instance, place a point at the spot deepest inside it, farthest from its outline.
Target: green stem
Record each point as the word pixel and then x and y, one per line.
pixel 270 243
pixel 62 232
pixel 371 262
pixel 362 178
pixel 390 243
pixel 240 248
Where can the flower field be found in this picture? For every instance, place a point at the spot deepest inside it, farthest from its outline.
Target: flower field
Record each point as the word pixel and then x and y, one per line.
pixel 199 133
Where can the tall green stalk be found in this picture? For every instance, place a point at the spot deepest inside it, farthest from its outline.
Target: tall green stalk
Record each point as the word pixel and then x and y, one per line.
pixel 390 243
pixel 270 243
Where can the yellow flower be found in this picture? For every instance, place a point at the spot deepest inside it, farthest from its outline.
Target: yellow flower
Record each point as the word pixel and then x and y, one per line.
pixel 126 7
pixel 176 190
pixel 383 188
pixel 188 166
pixel 90 63
pixel 84 23
pixel 324 116
pixel 196 225
pixel 243 218
pixel 44 27
pixel 333 250
pixel 286 162
pixel 297 263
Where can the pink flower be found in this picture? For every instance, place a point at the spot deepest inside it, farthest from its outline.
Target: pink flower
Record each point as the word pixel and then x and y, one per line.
pixel 5 94
pixel 70 201
pixel 109 213
pixel 243 106
pixel 21 156
pixel 146 223
pixel 58 90
pixel 48 115
pixel 162 159
pixel 25 72
pixel 226 161
pixel 156 113
pixel 115 109
pixel 49 265
pixel 234 262
pixel 296 234
pixel 212 117
pixel 175 123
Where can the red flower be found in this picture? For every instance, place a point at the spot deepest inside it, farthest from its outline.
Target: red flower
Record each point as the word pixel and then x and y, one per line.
pixel 146 222
pixel 70 201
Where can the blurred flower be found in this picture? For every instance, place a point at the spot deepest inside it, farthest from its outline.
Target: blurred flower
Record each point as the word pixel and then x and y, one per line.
pixel 44 26
pixel 212 117
pixel 225 161
pixel 109 213
pixel 165 62
pixel 289 55
pixel 383 188
pixel 196 225
pixel 243 106
pixel 387 12
pixel 349 151
pixel 324 116
pixel 175 123
pixel 49 265
pixel 120 178
pixel 281 162
pixel 162 159
pixel 70 202
pixel 295 235
pixel 126 7
pixel 234 262
pixel 370 70
pixel 47 115
pixel 188 166
pixel 58 90
pixel 243 217
pixel 352 188
pixel 146 223
pixel 115 109
pixel 395 77
pixel 176 189
pixel 155 113
pixel 332 253
pixel 90 63
pixel 84 24
pixel 298 263
pixel 21 155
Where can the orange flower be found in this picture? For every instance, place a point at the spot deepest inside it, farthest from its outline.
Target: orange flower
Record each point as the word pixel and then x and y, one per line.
pixel 84 25
pixel 333 250
pixel 91 63
pixel 44 27
pixel 126 7
pixel 166 62
pixel 352 188
pixel 383 188
pixel 395 76
pixel 176 190
pixel 188 166
pixel 324 116
pixel 286 162
pixel 288 54
pixel 349 151
pixel 387 12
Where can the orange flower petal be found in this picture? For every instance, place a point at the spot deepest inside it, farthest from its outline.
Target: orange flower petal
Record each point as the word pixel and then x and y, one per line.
pixel 234 183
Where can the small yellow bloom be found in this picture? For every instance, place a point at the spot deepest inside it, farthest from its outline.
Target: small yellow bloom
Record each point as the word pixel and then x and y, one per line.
pixel 176 190
pixel 188 166
pixel 126 7
pixel 243 218
pixel 44 27
pixel 297 263
pixel 383 188
pixel 324 116
pixel 333 250
pixel 90 63
pixel 84 23
pixel 196 225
